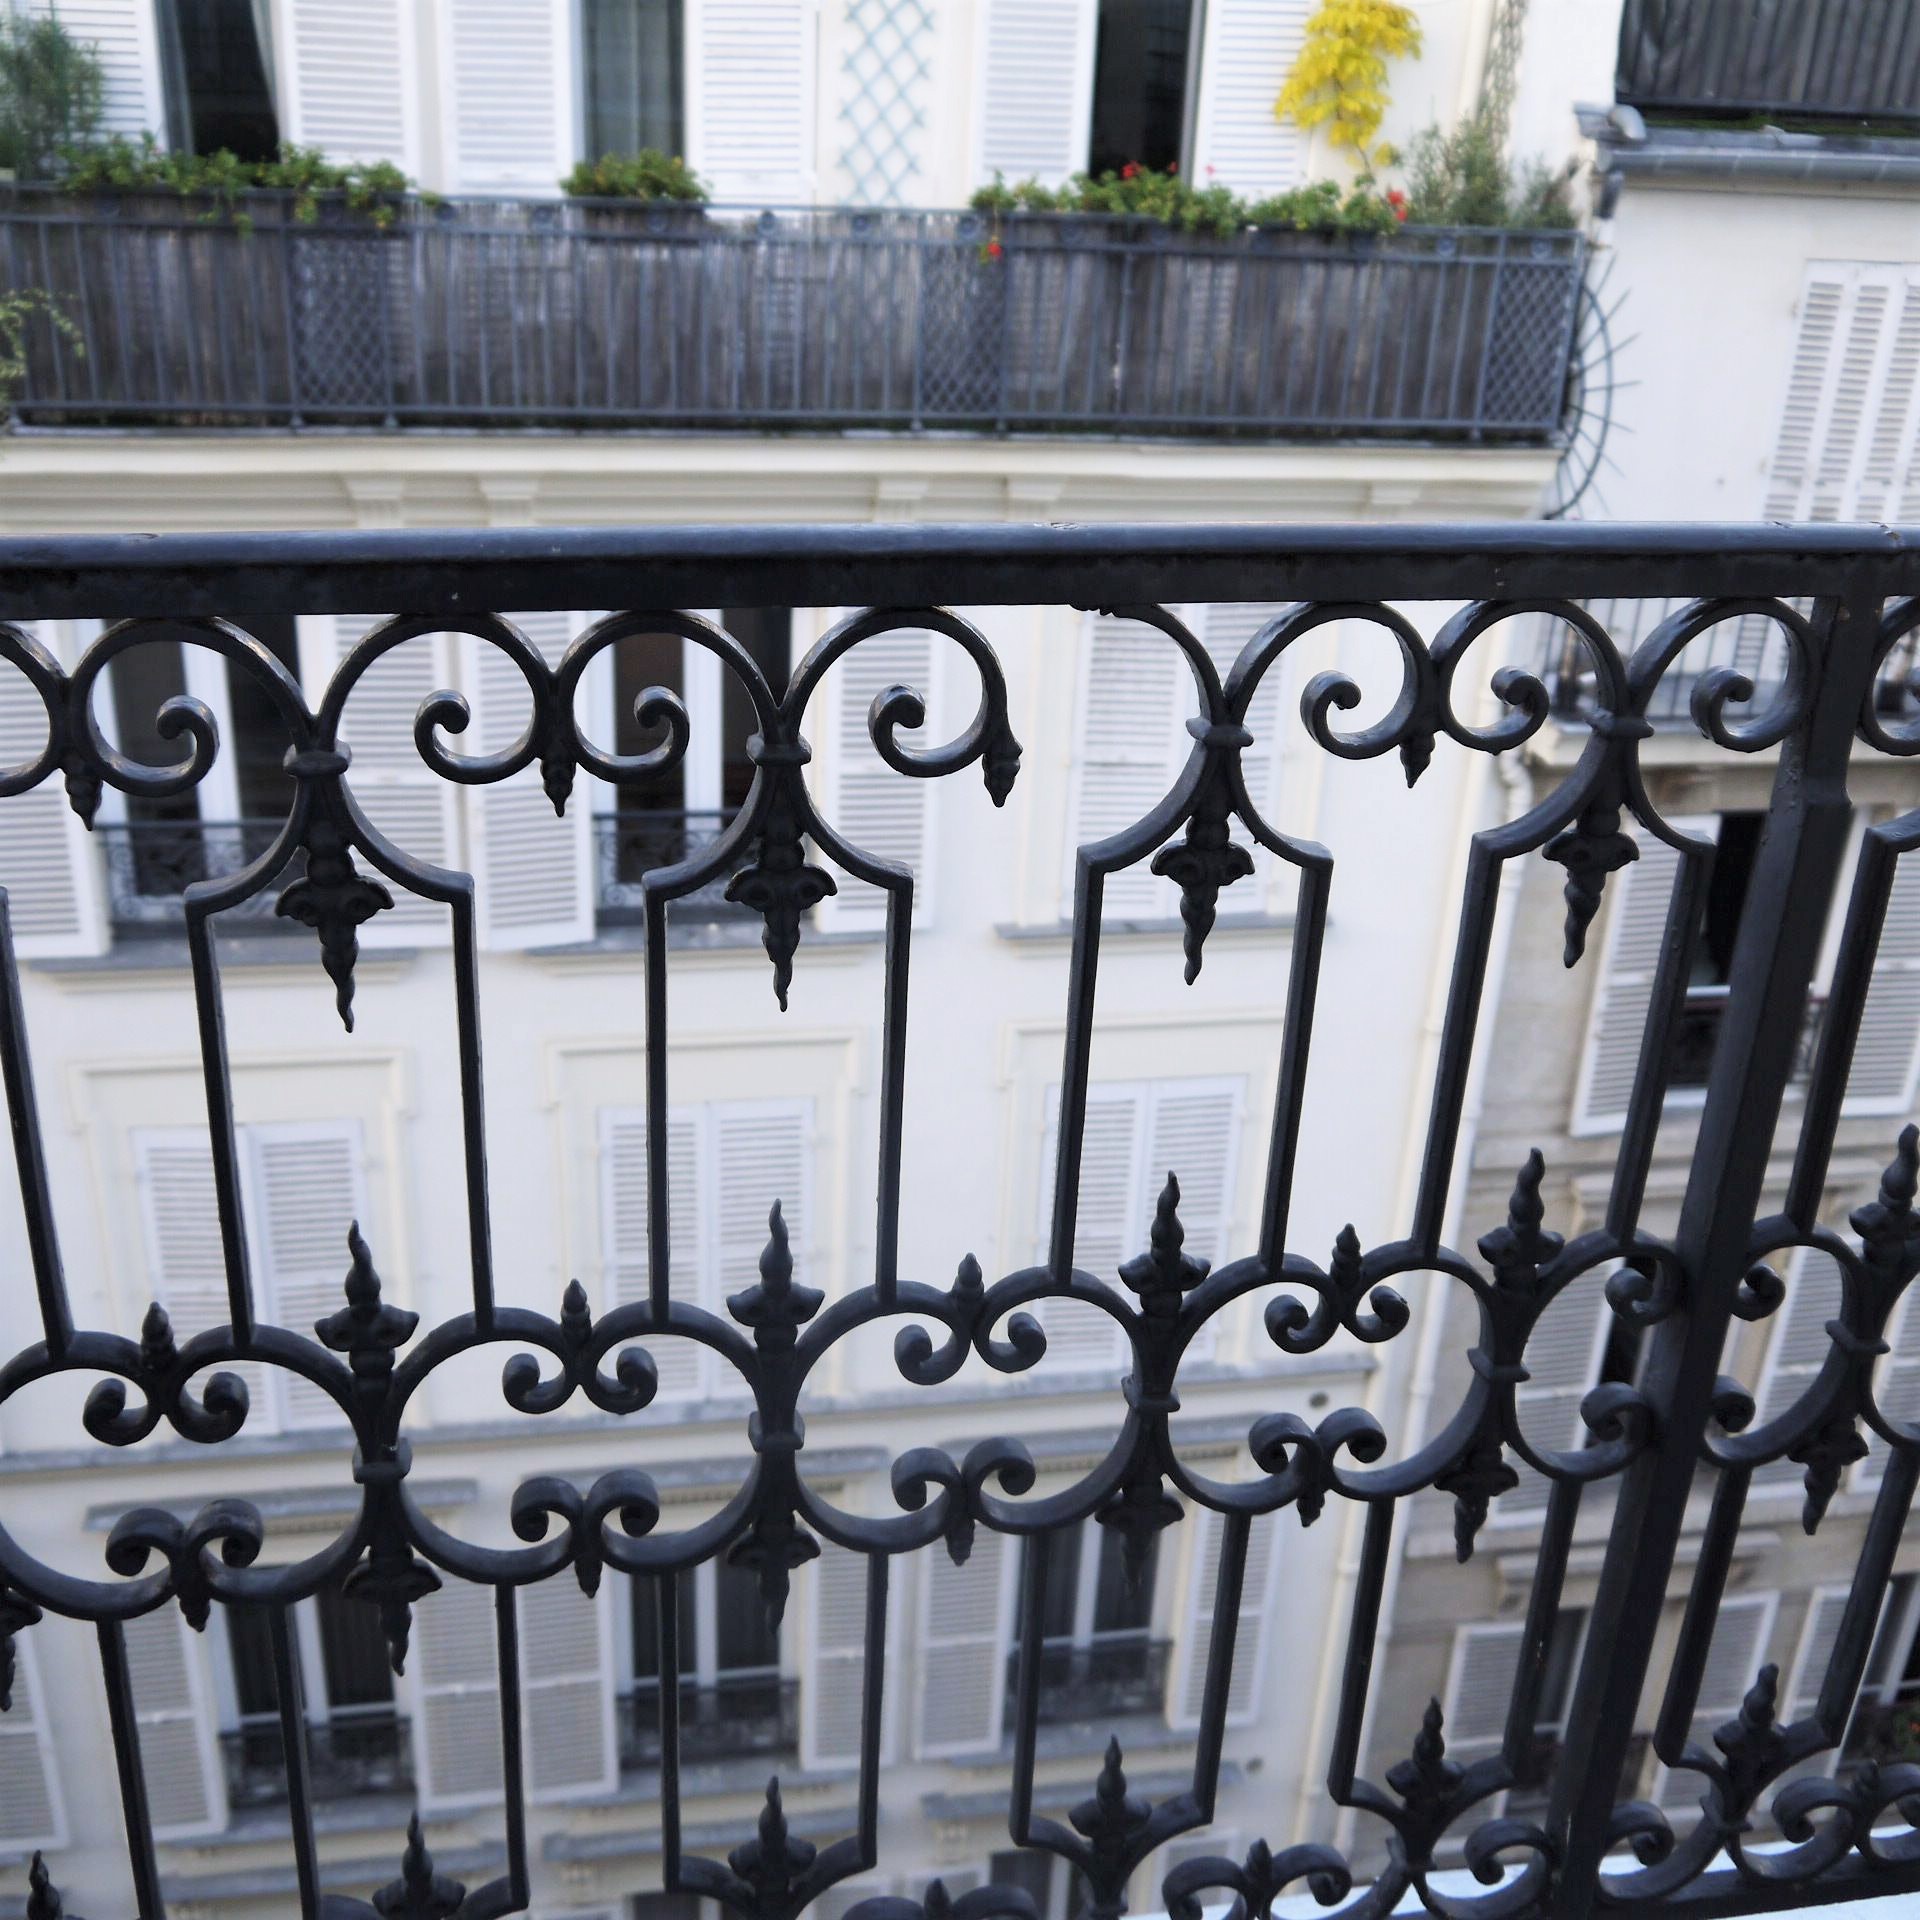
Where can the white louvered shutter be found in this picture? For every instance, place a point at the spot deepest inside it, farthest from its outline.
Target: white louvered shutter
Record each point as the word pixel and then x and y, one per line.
pixel 456 1675
pixel 566 1690
pixel 1194 1132
pixel 1846 447
pixel 121 35
pixel 1887 1050
pixel 682 1364
pixel 1080 1336
pixel 1636 922
pixel 966 1621
pixel 408 802
pixel 533 868
pixel 346 78
pixel 1239 142
pixel 1896 1386
pixel 1819 1634
pixel 1486 1661
pixel 751 84
pixel 830 1699
pixel 509 95
pixel 1195 1630
pixel 167 1663
pixel 1797 1350
pixel 1741 1630
pixel 31 1812
pixel 1136 694
pixel 49 864
pixel 1562 1359
pixel 180 1232
pixel 1224 629
pixel 884 813
pixel 304 1189
pixel 1036 80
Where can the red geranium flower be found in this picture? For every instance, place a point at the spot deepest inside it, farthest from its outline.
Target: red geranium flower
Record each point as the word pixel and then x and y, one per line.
pixel 1130 169
pixel 995 249
pixel 1173 166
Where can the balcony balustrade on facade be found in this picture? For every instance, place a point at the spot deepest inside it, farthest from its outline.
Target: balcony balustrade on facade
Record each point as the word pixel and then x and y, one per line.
pixel 565 313
pixel 347 1756
pixel 735 1717
pixel 1778 1820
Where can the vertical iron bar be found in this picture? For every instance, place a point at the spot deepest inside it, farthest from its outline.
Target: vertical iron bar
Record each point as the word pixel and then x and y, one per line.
pixel 473 1101
pixel 506 1623
pixel 1356 1677
pixel 29 1150
pixel 122 1716
pixel 291 1696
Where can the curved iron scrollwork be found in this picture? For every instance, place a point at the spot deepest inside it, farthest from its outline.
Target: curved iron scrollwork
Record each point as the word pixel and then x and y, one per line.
pixel 779 857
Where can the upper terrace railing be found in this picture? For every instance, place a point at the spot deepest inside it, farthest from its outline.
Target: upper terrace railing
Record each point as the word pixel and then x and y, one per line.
pixel 1841 1829
pixel 568 314
pixel 1810 59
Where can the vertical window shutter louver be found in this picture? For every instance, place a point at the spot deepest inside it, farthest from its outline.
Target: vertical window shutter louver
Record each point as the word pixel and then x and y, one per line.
pixel 1636 923
pixel 623 1177
pixel 1821 301
pixel 31 1814
pixel 166 1662
pixel 49 863
pixel 1136 694
pixel 1225 629
pixel 456 1736
pixel 1239 143
pixel 966 1616
pixel 532 868
pixel 1734 1654
pixel 1036 66
pixel 305 1191
pixel 1890 475
pixel 121 35
pixel 1797 1350
pixel 884 813
pixel 830 1700
pixel 1486 1662
pixel 1110 1173
pixel 1195 1629
pixel 751 98
pixel 1884 1054
pixel 346 79
pixel 1194 1133
pixel 566 1679
pixel 1819 1634
pixel 759 1155
pixel 409 803
pixel 186 1269
pixel 510 95
pixel 1896 1386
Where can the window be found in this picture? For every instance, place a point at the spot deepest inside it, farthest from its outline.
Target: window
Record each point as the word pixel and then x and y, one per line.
pixel 356 1740
pixel 1737 842
pixel 631 62
pixel 216 58
pixel 1485 1665
pixel 1098 1657
pixel 1140 93
pixel 1058 1889
pixel 1886 1722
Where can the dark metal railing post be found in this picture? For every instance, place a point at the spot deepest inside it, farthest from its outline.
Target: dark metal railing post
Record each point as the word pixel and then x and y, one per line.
pixel 1775 954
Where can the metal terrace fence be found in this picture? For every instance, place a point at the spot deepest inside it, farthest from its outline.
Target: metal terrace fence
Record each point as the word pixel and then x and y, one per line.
pixel 1563 1850
pixel 564 314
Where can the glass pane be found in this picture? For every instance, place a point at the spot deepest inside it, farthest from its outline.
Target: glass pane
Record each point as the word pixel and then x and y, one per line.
pixel 259 735
pixel 647 660
pixel 1062 1592
pixel 1140 83
pixel 745 1640
pixel 354 1651
pixel 252 1644
pixel 220 93
pixel 631 57
pixel 1119 1607
pixel 767 634
pixel 646 1625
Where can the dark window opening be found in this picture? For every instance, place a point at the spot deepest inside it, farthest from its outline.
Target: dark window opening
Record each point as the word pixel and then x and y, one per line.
pixel 1140 64
pixel 631 57
pixel 1535 1774
pixel 259 732
pixel 767 634
pixel 1097 1654
pixel 663 1906
pixel 217 58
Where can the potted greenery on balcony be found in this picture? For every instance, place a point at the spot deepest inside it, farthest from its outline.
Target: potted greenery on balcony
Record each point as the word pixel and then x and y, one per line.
pixel 648 192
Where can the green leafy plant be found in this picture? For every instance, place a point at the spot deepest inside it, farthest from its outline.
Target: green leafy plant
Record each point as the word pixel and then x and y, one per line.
pixel 51 86
pixel 18 311
pixel 1338 79
pixel 1324 206
pixel 647 175
pixel 376 189
pixel 1459 177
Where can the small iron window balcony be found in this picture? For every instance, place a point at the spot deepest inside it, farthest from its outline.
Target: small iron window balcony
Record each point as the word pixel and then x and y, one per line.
pixel 349 1757
pixel 1699 1028
pixel 1101 1679
pixel 733 1717
pixel 631 843
pixel 151 863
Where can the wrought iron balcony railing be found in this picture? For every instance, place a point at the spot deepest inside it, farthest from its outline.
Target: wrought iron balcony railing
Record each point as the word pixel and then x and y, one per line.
pixel 549 313
pixel 637 841
pixel 1808 59
pixel 1104 1680
pixel 736 1717
pixel 151 863
pixel 1777 1822
pixel 1703 1012
pixel 350 1756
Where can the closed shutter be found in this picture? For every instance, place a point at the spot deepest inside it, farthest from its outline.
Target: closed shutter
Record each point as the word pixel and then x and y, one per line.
pixel 168 1669
pixel 1239 141
pixel 1819 1634
pixel 456 1733
pixel 509 95
pixel 1881 1078
pixel 1896 1387
pixel 48 862
pixel 1195 1630
pixel 1850 419
pixel 1562 1359
pixel 1136 693
pixel 1193 1132
pixel 1486 1662
pixel 533 868
pixel 758 1152
pixel 751 87
pixel 830 1701
pixel 121 35
pixel 1225 629
pixel 966 1624
pixel 884 813
pixel 1741 1630
pixel 1798 1349
pixel 1036 77
pixel 1080 1336
pixel 346 82
pixel 180 1231
pixel 566 1680
pixel 304 1190
pixel 409 803
pixel 682 1364
pixel 1636 923
pixel 31 1814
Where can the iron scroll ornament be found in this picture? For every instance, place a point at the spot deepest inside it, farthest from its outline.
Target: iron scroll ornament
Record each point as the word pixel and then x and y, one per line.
pixel 366 1359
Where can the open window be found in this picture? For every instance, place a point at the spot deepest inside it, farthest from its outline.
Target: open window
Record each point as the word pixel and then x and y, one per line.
pixel 216 59
pixel 1099 1658
pixel 632 67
